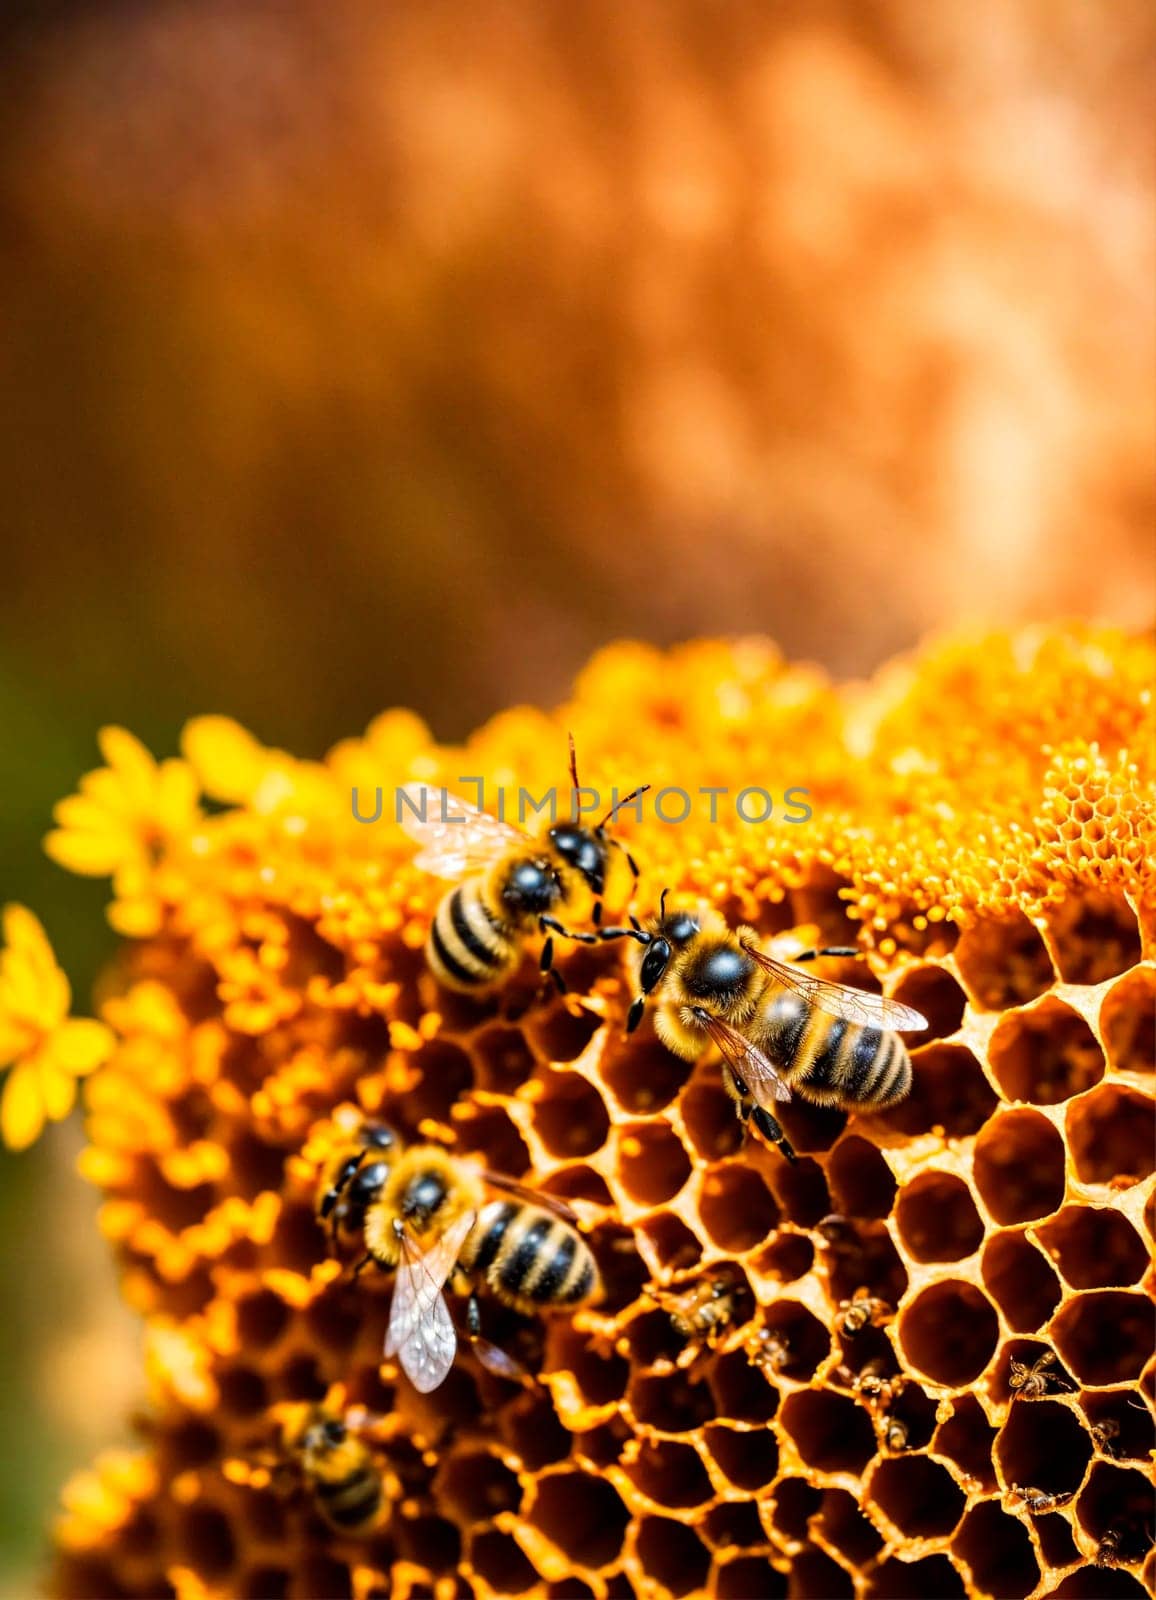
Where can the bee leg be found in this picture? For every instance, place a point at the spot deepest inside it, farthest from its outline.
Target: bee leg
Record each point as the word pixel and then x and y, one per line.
pixel 772 1132
pixel 493 1359
pixel 359 1267
pixel 831 950
pixel 555 926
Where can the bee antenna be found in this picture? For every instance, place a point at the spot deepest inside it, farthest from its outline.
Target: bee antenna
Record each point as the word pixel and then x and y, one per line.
pixel 636 925
pixel 573 764
pixel 662 902
pixel 625 801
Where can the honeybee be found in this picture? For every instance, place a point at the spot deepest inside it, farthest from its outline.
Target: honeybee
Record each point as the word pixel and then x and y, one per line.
pixel 779 1030
pixel 772 1349
pixel 1038 1501
pixel 701 1314
pixel 1108 1548
pixel 1103 1433
pixel 337 1467
pixel 876 1386
pixel 510 885
pixel 1029 1383
pixel 895 1433
pixel 352 1179
pixel 432 1221
pixel 863 1310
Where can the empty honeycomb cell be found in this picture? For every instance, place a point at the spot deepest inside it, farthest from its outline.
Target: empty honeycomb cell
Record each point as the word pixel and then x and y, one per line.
pixel 675 1246
pixel 950 1332
pixel 242 1392
pixel 264 1583
pixel 1043 1445
pixel 205 1536
pixel 932 991
pixel 1129 1433
pixel 561 1034
pixel 671 1474
pixel 618 1587
pixel 1020 1281
pixel 581 1515
pixel 532 1430
pixel 476 1486
pixel 254 1166
pixel 322 1579
pixel 296 1241
pixel 1045 1055
pixel 1105 1336
pixel 334 1320
pixel 1128 1022
pixel 499 1560
pixel 708 1115
pixel 932 1578
pixel 601 1447
pixel 793 1504
pixel 428 1541
pixel 300 1379
pixel 570 1117
pixel 623 1269
pixel 788 1257
pixel 1057 1545
pixel 1003 962
pixel 741 1390
pixel 1112 1134
pixel 948 1091
pixel 672 1555
pixel 643 1075
pixel 1120 1499
pixel 578 1182
pixel 861 1255
pixel 1095 1248
pixel 918 1496
pixel 917 1411
pixel 652 1164
pixel 670 1402
pixel 446 1075
pixel 748 1457
pixel 261 1319
pixel 998 1550
pixel 830 1432
pixel 810 1127
pixel 860 1181
pixel 568 1589
pixel 503 1061
pixel 1095 937
pixel 842 1524
pixel 1097 1583
pixel 937 1219
pixel 600 1374
pixel 1018 1166
pixel 801 1192
pixel 749 1576
pixel 734 1525
pixel 815 1576
pixel 737 1209
pixel 800 1339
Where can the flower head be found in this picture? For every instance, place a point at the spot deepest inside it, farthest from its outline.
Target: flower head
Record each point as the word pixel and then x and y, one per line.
pixel 44 1049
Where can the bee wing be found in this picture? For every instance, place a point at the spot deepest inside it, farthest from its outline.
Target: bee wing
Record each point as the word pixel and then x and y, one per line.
pixel 748 1061
pixel 840 999
pixel 455 838
pixel 535 1197
pixel 420 1331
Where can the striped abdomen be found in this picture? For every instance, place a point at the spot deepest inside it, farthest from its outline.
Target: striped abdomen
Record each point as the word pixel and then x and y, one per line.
pixel 828 1060
pixel 530 1257
pixel 466 948
pixel 353 1503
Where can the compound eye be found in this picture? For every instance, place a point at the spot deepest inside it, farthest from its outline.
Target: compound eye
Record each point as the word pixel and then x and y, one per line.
pixel 681 927
pixel 333 1431
pixel 654 965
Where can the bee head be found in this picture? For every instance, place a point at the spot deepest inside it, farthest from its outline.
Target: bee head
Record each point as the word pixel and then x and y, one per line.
pixel 584 849
pixel 533 886
pixel 424 1196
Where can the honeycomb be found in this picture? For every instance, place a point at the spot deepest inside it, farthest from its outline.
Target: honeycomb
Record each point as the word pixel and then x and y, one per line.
pixel 982 830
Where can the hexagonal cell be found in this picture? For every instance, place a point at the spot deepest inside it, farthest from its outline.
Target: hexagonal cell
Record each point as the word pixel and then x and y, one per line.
pixel 861 1182
pixel 708 1115
pixel 560 1035
pixel 842 1524
pixel 491 1134
pixel 477 1485
pixel 809 1127
pixel 1055 1377
pixel 735 1525
pixel 675 1246
pixel 948 1091
pixel 968 1439
pixel 1121 1425
pixel 578 1182
pixel 804 1340
pixel 531 1428
pixel 1095 1248
pixel 998 1550
pixel 643 1075
pixel 317 1574
pixel 672 1555
pixel 1095 937
pixel 446 1075
pixel 429 1541
pixel 740 1390
pixel 261 1320
pixel 670 1473
pixel 1118 1499
pixel 876 1266
pixel 623 1269
pixel 1004 962
pixel 1057 1546
pixel 204 1538
pixel 1018 1166
pixel 601 1374
pixel 793 1504
pixel 260 1583
pixel 581 1515
pixel 1020 1281
pixel 788 1257
pixel 670 1402
pixel 933 991
pixel 1043 1445
pixel 1126 1022
pixel 801 1191
pixel 1105 1336
pixel 937 1219
pixel 570 1117
pixel 500 1561
pixel 950 1332
pixel 749 1575
pixel 830 1432
pixel 814 1576
pixel 736 1208
pixel 652 1164
pixel 1097 1583
pixel 916 1580
pixel 919 1496
pixel 749 1457
pixel 1045 1055
pixel 603 1446
pixel 502 1059
pixel 1112 1134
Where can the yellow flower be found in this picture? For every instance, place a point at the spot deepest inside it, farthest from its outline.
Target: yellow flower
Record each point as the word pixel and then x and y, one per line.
pixel 121 821
pixel 46 1050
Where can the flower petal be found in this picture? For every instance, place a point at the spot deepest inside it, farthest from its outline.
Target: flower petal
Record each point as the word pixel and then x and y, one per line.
pixel 227 759
pixel 21 1108
pixel 92 855
pixel 81 1045
pixel 58 1090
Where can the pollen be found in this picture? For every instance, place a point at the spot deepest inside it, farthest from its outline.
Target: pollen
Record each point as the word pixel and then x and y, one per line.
pixel 979 821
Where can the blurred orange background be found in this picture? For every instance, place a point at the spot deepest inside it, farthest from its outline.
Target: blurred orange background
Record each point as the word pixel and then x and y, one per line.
pixel 360 354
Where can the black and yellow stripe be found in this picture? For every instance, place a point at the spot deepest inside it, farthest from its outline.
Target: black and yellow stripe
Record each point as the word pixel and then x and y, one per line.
pixel 530 1257
pixel 831 1061
pixel 467 947
pixel 351 1504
